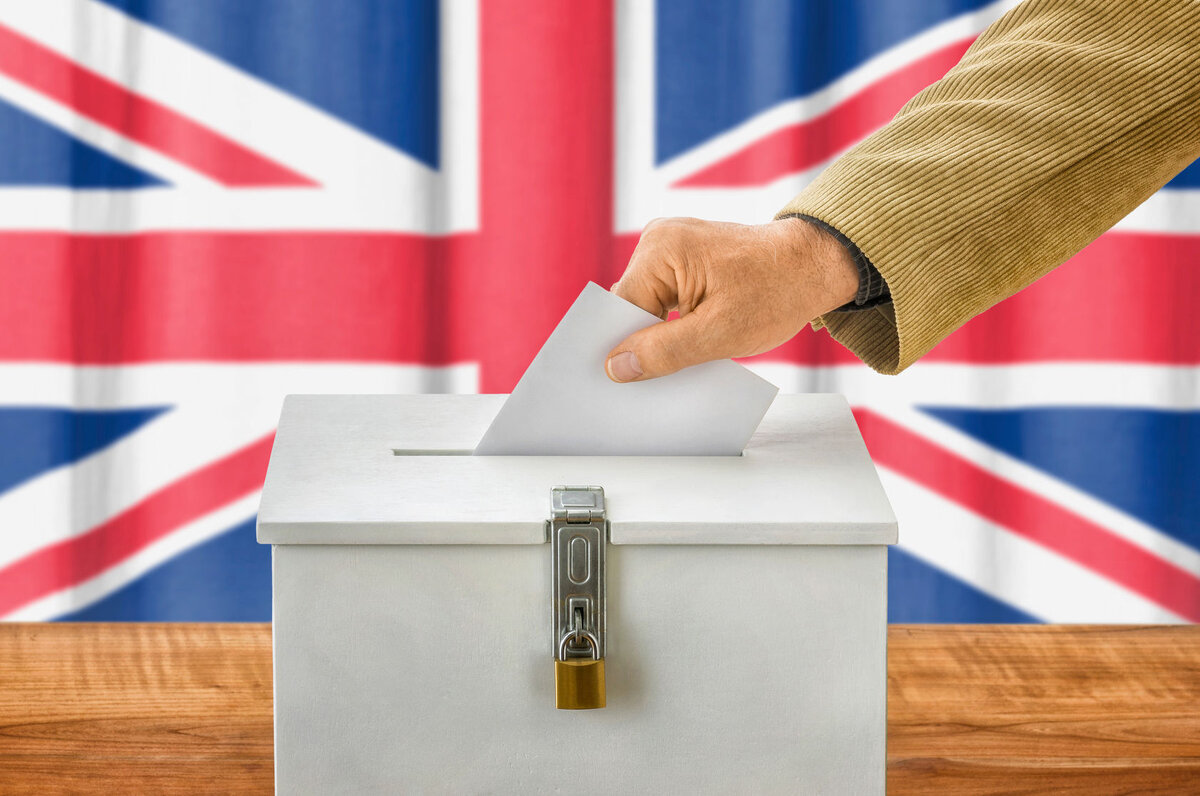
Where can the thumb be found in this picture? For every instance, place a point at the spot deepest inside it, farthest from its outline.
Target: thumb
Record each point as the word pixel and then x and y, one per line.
pixel 663 348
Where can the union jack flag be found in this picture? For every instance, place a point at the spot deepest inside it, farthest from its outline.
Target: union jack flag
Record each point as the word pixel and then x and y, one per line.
pixel 206 206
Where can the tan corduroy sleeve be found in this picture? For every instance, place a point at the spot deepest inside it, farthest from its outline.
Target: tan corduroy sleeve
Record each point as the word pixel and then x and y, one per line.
pixel 1060 119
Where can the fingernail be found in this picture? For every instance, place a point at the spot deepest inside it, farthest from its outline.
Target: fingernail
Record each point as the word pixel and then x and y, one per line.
pixel 624 367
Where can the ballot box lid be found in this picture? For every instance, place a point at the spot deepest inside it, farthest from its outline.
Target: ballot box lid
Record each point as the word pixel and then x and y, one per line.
pixel 399 469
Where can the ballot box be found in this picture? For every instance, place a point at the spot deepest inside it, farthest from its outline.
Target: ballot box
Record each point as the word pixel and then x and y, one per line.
pixel 452 623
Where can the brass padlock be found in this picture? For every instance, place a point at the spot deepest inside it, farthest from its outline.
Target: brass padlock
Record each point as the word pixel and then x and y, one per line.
pixel 579 682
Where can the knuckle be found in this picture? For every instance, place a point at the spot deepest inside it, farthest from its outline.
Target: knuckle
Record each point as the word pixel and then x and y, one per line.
pixel 654 232
pixel 651 238
pixel 665 237
pixel 661 227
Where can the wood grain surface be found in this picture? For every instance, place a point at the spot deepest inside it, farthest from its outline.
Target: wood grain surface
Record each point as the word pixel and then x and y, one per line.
pixel 1066 709
pixel 135 708
pixel 138 708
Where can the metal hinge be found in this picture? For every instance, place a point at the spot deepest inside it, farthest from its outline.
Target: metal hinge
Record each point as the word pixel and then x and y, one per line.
pixel 578 536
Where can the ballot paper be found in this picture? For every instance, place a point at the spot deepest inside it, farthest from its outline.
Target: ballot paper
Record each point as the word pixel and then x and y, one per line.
pixel 565 404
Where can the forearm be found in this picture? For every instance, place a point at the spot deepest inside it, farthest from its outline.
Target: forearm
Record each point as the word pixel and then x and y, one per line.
pixel 1059 120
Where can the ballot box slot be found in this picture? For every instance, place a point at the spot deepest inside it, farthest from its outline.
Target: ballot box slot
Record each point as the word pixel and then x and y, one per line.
pixel 432 452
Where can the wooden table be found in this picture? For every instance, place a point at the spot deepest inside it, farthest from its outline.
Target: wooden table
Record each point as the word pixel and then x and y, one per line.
pixel 185 708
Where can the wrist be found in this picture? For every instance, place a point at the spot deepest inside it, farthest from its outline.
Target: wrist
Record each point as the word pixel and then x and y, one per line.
pixel 829 276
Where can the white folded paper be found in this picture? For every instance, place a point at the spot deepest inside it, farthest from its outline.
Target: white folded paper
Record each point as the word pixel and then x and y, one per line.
pixel 566 405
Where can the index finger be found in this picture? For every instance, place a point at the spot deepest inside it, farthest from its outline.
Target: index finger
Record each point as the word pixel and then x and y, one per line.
pixel 648 281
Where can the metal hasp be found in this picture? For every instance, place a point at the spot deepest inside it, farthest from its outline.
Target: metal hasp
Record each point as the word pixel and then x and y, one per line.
pixel 578 535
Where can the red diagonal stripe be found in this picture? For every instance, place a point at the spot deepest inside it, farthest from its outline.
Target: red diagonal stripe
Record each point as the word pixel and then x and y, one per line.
pixel 143 120
pixel 72 561
pixel 1030 515
pixel 804 145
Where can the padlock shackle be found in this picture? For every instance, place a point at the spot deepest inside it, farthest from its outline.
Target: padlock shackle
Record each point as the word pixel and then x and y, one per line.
pixel 587 634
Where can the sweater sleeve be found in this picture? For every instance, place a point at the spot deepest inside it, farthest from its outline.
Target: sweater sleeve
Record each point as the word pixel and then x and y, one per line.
pixel 1059 120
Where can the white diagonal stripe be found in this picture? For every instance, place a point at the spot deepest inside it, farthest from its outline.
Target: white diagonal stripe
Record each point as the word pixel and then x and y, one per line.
pixel 1055 384
pixel 218 410
pixel 1010 469
pixel 365 184
pixel 83 594
pixel 68 501
pixel 1006 566
pixel 103 138
pixel 643 189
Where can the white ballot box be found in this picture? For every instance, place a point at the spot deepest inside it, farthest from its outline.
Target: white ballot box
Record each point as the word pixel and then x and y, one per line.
pixel 434 610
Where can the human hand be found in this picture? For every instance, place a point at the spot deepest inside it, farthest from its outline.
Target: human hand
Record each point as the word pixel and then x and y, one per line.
pixel 740 290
